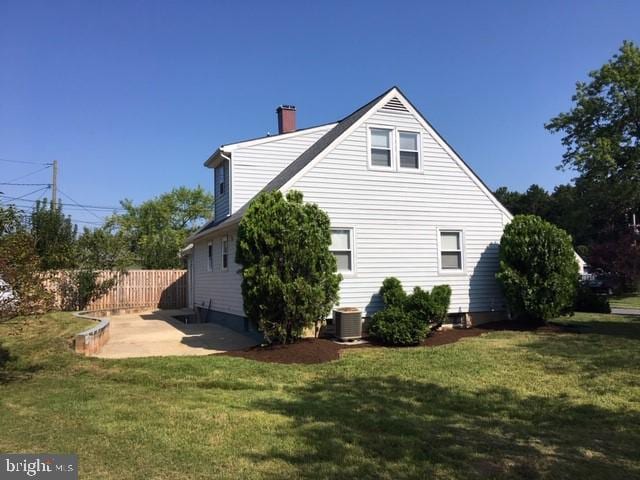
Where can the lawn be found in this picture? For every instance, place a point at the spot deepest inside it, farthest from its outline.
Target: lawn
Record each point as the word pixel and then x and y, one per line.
pixel 627 301
pixel 505 405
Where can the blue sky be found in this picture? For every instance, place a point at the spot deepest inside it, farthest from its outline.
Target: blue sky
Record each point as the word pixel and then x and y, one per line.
pixel 132 96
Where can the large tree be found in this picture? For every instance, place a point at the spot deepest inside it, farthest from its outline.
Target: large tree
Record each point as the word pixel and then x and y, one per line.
pixel 289 278
pixel 55 236
pixel 602 140
pixel 157 229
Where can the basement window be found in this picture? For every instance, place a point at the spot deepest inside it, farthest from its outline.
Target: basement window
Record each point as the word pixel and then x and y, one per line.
pixel 342 248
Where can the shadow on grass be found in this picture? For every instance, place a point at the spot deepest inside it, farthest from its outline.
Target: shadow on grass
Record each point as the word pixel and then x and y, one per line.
pixel 601 348
pixel 5 358
pixel 385 427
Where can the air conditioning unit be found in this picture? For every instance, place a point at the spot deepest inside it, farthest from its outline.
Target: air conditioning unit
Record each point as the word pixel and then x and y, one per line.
pixel 348 322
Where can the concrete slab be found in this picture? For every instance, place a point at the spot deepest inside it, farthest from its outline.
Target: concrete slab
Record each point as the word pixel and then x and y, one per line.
pixel 156 333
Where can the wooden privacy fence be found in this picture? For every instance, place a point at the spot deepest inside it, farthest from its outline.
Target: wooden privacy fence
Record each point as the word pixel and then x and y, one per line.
pixel 134 289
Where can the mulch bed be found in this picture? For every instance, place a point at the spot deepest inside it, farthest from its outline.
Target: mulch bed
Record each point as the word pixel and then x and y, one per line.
pixel 319 350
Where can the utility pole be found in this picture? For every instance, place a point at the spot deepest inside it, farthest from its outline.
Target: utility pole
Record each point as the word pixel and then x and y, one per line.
pixel 54 183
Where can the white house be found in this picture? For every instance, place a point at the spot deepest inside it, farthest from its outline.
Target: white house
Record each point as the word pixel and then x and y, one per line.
pixel 401 201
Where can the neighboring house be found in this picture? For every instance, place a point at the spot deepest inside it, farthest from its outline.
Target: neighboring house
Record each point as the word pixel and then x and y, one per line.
pixel 401 201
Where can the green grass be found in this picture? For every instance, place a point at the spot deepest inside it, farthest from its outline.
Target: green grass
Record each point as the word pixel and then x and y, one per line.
pixel 504 405
pixel 628 301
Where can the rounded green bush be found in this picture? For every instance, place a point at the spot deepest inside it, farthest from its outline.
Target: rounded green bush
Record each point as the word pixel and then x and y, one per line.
pixel 538 269
pixel 395 326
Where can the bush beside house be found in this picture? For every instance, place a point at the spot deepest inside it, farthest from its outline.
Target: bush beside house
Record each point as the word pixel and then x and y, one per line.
pixel 289 276
pixel 538 269
pixel 407 319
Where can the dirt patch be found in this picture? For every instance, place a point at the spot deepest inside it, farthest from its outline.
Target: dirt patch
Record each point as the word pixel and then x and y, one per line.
pixel 319 350
pixel 307 350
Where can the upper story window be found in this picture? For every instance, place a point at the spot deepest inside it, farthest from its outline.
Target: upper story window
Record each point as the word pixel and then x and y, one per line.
pixel 210 257
pixel 220 172
pixel 394 149
pixel 342 248
pixel 225 252
pixel 451 250
pixel 409 153
pixel 381 147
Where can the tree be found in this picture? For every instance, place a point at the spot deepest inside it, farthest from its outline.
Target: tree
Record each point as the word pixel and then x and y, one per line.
pixel 55 236
pixel 538 269
pixel 289 279
pixel 104 249
pixel 157 229
pixel 602 140
pixel 20 267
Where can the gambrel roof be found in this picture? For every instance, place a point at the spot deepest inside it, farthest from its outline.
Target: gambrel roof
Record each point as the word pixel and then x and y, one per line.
pixel 393 100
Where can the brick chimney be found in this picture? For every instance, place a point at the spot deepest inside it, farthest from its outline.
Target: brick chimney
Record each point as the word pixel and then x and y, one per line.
pixel 286 118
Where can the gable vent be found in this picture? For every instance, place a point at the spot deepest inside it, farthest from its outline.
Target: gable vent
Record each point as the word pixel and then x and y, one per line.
pixel 395 105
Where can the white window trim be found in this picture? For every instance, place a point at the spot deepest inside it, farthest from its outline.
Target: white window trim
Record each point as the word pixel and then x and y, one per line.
pixel 419 151
pixel 352 238
pixel 210 257
pixel 451 271
pixel 223 253
pixel 394 142
pixel 392 138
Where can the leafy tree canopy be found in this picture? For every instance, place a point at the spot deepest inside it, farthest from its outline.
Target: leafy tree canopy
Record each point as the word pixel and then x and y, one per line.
pixel 157 229
pixel 602 135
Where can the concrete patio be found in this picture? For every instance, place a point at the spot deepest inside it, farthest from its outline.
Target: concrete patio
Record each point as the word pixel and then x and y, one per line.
pixel 156 333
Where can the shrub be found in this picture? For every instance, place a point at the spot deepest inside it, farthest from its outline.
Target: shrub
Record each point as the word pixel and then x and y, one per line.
pixel 392 292
pixel 432 306
pixel 440 300
pixel 589 301
pixel 538 269
pixel 289 279
pixel 406 319
pixel 395 326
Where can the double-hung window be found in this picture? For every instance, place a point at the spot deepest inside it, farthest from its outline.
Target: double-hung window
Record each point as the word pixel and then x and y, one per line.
pixel 394 149
pixel 342 248
pixel 380 147
pixel 409 153
pixel 210 257
pixel 225 252
pixel 451 250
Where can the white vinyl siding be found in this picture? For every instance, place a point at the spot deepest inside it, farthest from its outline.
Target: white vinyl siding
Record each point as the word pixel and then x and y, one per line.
pixel 220 289
pixel 255 166
pixel 342 248
pixel 397 216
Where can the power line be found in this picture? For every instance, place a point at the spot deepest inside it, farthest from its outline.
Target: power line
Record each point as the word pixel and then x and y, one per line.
pixel 25 184
pixel 85 209
pixel 29 174
pixel 31 193
pixel 71 205
pixel 23 161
